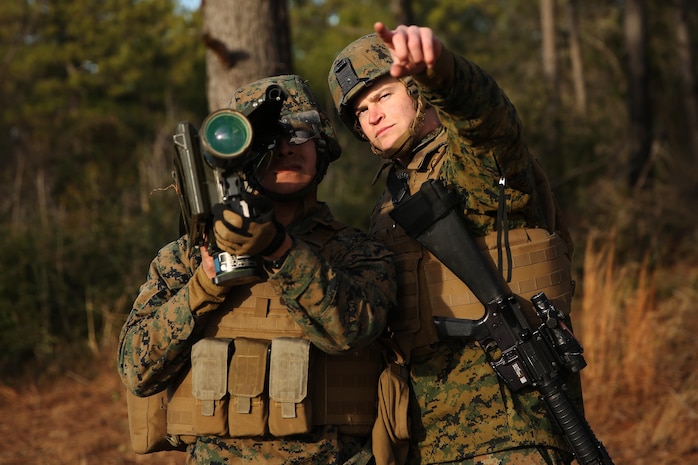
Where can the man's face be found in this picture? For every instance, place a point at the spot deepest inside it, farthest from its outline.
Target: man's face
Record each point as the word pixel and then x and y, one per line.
pixel 292 167
pixel 385 111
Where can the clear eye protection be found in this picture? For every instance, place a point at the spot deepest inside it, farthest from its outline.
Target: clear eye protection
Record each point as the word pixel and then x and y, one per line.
pixel 299 128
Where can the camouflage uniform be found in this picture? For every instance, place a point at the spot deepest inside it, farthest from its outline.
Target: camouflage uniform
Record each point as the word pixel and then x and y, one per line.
pixel 461 412
pixel 337 292
pixel 339 295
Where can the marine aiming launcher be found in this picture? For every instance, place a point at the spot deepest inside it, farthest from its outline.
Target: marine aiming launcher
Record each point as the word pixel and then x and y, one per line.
pixel 522 355
pixel 211 166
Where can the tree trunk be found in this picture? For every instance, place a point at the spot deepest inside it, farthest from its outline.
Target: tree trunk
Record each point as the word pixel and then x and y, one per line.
pixel 16 204
pixel 639 108
pixel 245 40
pixel 576 57
pixel 402 11
pixel 551 76
pixel 690 99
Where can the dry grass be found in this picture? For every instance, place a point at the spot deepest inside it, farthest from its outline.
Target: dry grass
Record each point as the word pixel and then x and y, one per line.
pixel 638 325
pixel 639 331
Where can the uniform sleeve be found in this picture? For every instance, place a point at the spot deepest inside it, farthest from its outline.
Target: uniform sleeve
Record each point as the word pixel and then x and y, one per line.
pixel 155 341
pixel 486 141
pixel 341 295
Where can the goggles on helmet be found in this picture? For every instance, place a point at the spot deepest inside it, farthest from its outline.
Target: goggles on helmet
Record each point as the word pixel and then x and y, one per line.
pixel 299 128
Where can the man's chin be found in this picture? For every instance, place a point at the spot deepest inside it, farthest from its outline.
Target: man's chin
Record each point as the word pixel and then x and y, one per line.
pixel 383 143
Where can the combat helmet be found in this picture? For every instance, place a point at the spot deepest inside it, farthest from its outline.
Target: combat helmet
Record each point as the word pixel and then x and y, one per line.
pixel 300 111
pixel 356 68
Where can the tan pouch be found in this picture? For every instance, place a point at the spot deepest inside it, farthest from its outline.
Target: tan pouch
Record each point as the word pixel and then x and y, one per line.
pixel 180 409
pixel 289 407
pixel 180 412
pixel 343 389
pixel 147 422
pixel 248 409
pixel 209 368
pixel 391 430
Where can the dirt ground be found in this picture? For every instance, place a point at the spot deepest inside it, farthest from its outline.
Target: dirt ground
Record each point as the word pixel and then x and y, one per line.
pixel 79 421
pixel 73 420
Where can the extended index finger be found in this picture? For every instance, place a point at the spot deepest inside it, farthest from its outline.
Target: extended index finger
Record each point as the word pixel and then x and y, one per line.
pixel 396 41
pixel 385 33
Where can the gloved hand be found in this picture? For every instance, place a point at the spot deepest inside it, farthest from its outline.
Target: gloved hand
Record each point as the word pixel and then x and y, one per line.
pixel 204 295
pixel 239 235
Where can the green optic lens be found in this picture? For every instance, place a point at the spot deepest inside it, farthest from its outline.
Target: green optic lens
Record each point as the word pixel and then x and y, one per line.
pixel 226 134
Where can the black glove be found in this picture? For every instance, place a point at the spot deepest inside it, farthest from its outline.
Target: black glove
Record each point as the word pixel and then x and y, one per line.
pixel 240 235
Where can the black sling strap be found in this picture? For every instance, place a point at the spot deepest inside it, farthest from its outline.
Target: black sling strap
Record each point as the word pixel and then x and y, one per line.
pixel 437 201
pixel 430 216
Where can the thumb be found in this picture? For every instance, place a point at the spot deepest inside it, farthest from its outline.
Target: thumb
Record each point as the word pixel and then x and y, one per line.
pixel 232 220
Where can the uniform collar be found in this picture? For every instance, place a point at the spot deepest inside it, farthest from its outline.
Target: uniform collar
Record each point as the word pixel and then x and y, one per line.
pixel 430 146
pixel 313 214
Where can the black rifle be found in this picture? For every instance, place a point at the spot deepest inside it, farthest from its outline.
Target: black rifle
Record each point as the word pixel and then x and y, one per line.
pixel 522 355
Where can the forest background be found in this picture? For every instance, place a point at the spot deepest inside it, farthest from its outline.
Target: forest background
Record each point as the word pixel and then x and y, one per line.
pixel 90 92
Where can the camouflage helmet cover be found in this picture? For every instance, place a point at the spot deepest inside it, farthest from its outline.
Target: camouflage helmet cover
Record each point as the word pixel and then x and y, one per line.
pixel 300 99
pixel 354 69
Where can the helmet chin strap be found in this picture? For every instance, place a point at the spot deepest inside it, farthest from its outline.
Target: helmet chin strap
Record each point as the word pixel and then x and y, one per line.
pixel 402 145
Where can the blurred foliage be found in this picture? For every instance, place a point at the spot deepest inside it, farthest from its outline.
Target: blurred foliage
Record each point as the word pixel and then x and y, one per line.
pixel 91 90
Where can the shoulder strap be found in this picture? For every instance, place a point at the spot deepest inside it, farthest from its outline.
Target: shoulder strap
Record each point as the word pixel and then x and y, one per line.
pixel 429 217
pixel 397 186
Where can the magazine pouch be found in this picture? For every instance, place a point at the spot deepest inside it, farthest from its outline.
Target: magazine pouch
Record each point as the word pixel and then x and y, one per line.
pixel 289 406
pixel 147 420
pixel 209 368
pixel 248 410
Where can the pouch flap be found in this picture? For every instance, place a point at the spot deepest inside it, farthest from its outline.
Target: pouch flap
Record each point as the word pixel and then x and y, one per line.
pixel 209 366
pixel 248 371
pixel 288 373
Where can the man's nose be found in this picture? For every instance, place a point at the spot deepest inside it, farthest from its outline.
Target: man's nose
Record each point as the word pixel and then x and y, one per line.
pixel 374 114
pixel 284 147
